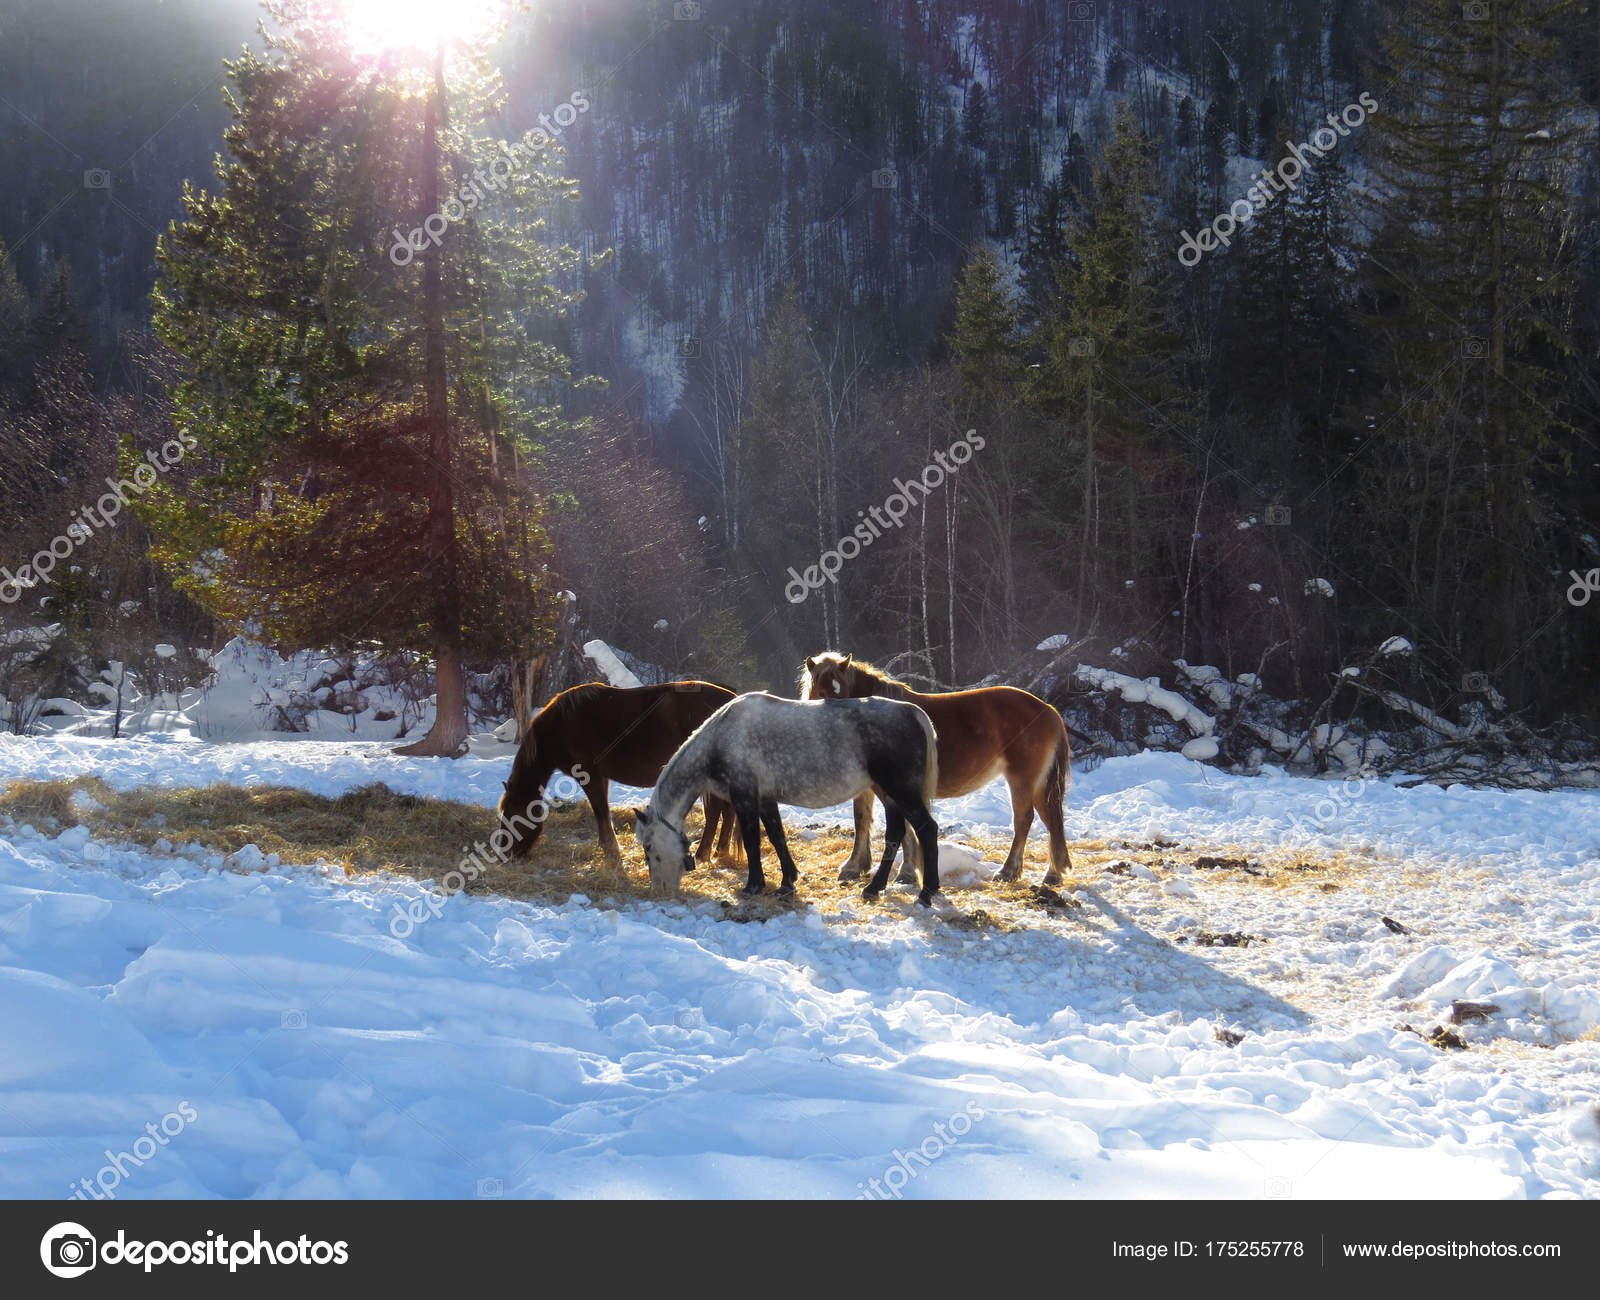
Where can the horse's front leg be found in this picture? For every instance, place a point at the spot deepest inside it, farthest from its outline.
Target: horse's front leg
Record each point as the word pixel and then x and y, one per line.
pixel 894 831
pixel 599 792
pixel 717 814
pixel 773 821
pixel 861 851
pixel 747 809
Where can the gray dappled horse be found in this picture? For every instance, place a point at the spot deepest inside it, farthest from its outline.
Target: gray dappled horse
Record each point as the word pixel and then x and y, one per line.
pixel 760 750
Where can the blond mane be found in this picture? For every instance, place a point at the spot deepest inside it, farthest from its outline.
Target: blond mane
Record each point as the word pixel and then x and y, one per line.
pixel 834 659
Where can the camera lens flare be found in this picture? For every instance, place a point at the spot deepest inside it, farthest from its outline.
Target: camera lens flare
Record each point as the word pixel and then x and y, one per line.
pixel 378 25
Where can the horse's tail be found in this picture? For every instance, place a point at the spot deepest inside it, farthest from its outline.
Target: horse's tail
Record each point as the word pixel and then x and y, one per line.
pixel 930 776
pixel 1058 775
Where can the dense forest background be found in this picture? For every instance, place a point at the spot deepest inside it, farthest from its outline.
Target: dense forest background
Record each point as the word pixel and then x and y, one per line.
pixel 846 233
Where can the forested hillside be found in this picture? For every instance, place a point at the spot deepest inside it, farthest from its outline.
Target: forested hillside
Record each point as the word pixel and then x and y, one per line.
pixel 845 234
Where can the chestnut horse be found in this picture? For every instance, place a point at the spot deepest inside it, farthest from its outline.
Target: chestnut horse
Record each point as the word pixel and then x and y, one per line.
pixel 983 733
pixel 610 733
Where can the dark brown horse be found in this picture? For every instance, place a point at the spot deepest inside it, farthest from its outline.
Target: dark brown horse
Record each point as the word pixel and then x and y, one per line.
pixel 598 734
pixel 983 733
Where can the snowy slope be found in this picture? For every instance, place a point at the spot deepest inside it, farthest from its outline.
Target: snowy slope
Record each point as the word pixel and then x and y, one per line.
pixel 524 1050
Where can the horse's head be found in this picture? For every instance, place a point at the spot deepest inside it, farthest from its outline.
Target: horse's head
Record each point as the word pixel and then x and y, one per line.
pixel 524 797
pixel 666 850
pixel 829 676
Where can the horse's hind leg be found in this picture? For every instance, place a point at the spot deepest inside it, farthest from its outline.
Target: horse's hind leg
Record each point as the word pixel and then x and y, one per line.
pixel 599 792
pixel 911 864
pixel 748 811
pixel 861 851
pixel 917 815
pixel 1022 823
pixel 894 833
pixel 1050 812
pixel 772 819
pixel 927 832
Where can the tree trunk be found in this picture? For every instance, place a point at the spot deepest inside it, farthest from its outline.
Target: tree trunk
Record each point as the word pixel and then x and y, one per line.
pixel 525 673
pixel 447 738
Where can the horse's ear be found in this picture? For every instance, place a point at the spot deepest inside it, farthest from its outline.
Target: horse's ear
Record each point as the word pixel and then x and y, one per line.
pixel 848 659
pixel 641 816
pixel 811 664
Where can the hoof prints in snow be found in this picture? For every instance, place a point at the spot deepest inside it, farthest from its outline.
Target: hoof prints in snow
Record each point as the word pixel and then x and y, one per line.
pixel 656 1050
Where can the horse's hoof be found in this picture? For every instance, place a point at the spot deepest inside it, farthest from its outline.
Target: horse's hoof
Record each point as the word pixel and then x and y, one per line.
pixel 752 889
pixel 785 891
pixel 870 894
pixel 906 878
pixel 1008 873
pixel 924 899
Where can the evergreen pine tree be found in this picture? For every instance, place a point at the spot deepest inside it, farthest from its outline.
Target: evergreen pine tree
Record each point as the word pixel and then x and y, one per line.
pixel 1468 282
pixel 56 329
pixel 361 405
pixel 1110 378
pixel 14 314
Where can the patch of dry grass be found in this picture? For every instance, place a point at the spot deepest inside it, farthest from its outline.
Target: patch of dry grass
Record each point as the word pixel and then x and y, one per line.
pixel 366 830
pixel 374 829
pixel 1251 867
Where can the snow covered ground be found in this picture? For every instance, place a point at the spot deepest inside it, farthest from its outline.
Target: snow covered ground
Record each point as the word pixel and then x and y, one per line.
pixel 227 1034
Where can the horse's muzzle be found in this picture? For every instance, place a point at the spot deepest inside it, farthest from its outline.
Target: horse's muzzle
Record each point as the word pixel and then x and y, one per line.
pixel 523 838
